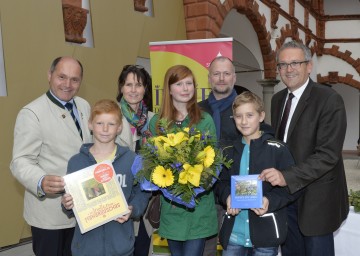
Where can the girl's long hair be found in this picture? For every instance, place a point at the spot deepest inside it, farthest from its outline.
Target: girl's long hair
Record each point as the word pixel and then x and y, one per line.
pixel 168 110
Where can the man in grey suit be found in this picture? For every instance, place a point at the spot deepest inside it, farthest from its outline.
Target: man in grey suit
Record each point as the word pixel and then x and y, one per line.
pixel 315 132
pixel 46 135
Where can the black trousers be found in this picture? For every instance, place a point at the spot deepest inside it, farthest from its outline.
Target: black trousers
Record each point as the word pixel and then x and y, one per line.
pixel 54 242
pixel 296 244
pixel 142 241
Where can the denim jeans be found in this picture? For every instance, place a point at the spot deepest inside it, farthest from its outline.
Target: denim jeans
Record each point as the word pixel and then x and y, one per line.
pixel 188 247
pixel 238 250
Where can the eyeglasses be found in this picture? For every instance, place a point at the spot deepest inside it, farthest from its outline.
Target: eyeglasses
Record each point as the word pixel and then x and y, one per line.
pixel 293 65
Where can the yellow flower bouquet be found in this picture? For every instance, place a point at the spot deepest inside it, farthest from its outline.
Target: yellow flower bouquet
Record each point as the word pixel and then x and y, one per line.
pixel 182 163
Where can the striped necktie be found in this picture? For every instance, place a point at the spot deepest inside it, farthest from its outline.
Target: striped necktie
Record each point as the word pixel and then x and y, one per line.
pixel 69 107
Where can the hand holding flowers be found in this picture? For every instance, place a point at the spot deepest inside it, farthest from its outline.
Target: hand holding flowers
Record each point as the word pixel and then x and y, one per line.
pixel 182 163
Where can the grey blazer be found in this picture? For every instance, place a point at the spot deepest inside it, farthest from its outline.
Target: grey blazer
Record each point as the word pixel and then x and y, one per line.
pixel 45 137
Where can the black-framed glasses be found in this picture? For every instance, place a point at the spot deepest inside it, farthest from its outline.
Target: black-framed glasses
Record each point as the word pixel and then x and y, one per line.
pixel 293 65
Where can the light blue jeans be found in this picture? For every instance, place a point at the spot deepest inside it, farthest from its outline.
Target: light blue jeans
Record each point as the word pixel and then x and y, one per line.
pixel 238 250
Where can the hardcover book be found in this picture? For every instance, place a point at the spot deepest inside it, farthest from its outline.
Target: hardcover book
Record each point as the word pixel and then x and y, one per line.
pixel 98 197
pixel 246 191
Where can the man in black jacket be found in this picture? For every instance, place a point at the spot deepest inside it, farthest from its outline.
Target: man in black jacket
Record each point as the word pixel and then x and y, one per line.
pixel 222 79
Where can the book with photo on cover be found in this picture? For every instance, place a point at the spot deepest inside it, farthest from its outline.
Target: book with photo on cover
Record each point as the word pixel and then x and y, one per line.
pixel 246 191
pixel 98 197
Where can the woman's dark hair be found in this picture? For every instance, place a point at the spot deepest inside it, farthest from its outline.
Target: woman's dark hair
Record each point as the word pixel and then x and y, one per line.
pixel 142 76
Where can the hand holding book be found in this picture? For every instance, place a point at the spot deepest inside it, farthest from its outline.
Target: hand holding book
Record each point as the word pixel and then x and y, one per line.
pixel 125 217
pixel 235 211
pixel 67 201
pixel 95 196
pixel 246 192
pixel 264 209
pixel 229 210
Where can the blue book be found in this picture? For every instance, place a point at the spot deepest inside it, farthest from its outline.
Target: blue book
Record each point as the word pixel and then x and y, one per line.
pixel 246 191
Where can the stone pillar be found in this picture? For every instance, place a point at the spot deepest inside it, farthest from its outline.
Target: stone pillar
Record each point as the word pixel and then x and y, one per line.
pixel 268 91
pixel 359 126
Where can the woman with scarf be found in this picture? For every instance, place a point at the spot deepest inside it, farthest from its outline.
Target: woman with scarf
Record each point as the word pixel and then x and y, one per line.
pixel 134 98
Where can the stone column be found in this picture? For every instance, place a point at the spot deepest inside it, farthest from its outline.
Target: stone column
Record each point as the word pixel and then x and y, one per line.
pixel 268 91
pixel 359 126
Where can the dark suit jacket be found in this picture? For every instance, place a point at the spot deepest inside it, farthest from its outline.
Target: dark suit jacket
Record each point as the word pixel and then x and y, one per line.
pixel 315 138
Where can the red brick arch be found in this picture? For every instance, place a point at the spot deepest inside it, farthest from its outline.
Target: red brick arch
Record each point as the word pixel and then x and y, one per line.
pixel 334 78
pixel 345 56
pixel 205 18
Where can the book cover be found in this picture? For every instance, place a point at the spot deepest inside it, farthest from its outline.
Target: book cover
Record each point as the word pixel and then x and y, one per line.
pixel 246 191
pixel 98 197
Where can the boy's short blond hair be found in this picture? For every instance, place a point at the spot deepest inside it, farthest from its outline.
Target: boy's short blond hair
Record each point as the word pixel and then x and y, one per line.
pixel 106 106
pixel 248 97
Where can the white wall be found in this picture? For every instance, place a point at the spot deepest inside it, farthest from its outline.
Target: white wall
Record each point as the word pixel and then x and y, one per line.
pixel 351 99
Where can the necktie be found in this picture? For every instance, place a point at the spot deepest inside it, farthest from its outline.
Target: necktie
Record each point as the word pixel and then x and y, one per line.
pixel 69 107
pixel 285 117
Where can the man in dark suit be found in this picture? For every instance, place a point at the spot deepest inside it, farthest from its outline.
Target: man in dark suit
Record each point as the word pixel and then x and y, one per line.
pixel 315 132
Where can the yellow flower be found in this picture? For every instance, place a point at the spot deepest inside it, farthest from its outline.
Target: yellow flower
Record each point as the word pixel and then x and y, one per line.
pixel 210 156
pixel 173 139
pixel 158 143
pixel 207 156
pixel 191 174
pixel 162 177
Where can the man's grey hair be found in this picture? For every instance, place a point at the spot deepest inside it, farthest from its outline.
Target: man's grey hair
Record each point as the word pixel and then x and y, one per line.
pixel 295 45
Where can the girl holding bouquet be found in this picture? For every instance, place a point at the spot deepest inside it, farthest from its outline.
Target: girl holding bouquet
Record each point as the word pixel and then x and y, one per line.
pixel 185 228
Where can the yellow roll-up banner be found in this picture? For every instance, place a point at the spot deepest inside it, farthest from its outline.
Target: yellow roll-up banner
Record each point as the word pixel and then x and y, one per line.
pixel 196 54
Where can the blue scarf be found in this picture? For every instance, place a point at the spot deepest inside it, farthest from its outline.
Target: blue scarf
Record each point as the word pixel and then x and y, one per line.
pixel 217 106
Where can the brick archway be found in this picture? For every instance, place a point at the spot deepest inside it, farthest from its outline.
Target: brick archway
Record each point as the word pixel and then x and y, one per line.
pixel 205 18
pixel 334 78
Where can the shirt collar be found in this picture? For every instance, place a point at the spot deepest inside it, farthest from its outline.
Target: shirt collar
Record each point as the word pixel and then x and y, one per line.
pixel 298 92
pixel 61 101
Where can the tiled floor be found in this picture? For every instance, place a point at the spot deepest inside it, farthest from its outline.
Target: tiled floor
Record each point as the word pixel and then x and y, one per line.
pixel 352 166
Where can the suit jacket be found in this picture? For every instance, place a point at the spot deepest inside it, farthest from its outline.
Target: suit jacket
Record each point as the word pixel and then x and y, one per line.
pixel 315 137
pixel 45 137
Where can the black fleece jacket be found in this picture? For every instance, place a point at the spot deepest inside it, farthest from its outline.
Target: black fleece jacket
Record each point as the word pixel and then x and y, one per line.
pixel 265 152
